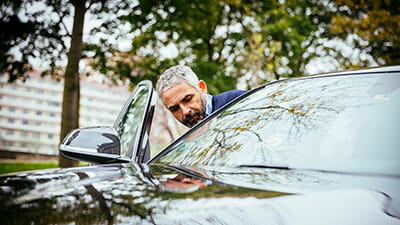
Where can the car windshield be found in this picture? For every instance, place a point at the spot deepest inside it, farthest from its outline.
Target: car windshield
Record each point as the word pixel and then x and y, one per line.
pixel 341 122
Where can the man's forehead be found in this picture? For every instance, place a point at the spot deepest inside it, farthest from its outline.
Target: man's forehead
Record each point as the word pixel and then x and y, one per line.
pixel 178 92
pixel 179 88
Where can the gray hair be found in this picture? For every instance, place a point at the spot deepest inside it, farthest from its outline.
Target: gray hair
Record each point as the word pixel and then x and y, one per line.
pixel 176 75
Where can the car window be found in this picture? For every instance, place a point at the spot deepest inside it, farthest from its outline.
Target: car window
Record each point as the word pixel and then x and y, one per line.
pixel 164 128
pixel 348 120
pixel 131 119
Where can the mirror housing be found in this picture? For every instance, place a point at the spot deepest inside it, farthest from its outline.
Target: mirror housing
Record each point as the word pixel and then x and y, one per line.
pixel 93 144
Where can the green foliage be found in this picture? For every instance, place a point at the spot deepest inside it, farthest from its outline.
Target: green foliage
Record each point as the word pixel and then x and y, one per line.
pixel 223 41
pixel 10 167
pixel 375 24
pixel 35 35
pixel 219 191
pixel 215 77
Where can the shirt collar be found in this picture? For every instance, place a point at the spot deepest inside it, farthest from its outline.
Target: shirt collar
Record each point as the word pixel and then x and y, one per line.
pixel 209 105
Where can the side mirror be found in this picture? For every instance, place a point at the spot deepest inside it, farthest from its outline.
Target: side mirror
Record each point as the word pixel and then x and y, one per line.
pixel 93 144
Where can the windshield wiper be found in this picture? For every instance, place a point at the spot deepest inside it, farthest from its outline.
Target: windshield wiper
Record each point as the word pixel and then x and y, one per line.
pixel 268 166
pixel 329 170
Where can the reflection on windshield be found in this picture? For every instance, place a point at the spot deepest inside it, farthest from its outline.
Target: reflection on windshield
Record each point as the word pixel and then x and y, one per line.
pixel 131 120
pixel 182 183
pixel 340 117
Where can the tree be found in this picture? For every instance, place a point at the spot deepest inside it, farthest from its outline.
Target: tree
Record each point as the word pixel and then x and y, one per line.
pixel 223 41
pixel 279 38
pixel 71 94
pixel 29 33
pixel 191 26
pixel 47 38
pixel 373 27
pixel 42 36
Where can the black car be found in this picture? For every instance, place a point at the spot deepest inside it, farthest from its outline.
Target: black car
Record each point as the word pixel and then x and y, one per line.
pixel 315 150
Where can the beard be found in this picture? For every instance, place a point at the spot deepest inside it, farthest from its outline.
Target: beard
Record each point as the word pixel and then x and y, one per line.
pixel 193 118
pixel 196 115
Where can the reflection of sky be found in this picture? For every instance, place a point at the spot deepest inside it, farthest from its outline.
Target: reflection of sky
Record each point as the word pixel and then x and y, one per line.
pixel 358 132
pixel 87 141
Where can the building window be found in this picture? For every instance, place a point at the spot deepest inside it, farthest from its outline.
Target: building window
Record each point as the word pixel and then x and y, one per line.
pixel 52 114
pixel 11 109
pixel 37 123
pixel 52 103
pixel 25 111
pixel 50 136
pixel 39 91
pixel 25 122
pixel 11 120
pixel 23 134
pixel 9 132
pixel 39 113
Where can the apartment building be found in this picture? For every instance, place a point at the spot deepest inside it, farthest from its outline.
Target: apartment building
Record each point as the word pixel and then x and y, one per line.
pixel 30 112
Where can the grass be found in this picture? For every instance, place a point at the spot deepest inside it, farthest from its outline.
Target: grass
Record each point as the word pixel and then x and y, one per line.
pixel 10 167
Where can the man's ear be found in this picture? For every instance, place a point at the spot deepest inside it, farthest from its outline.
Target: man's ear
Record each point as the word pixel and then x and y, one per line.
pixel 203 86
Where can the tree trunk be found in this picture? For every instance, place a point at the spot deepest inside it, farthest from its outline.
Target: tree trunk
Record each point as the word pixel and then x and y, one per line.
pixel 70 105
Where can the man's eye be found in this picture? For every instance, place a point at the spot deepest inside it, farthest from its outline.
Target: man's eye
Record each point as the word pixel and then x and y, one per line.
pixel 187 99
pixel 173 108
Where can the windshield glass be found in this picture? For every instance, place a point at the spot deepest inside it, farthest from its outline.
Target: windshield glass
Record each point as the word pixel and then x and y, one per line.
pixel 337 121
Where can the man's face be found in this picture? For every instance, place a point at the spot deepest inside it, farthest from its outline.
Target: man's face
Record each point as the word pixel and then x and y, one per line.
pixel 186 103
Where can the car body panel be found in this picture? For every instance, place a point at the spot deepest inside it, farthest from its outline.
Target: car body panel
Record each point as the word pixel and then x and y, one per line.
pixel 92 195
pixel 128 194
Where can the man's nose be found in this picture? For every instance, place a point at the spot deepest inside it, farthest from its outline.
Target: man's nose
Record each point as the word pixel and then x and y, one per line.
pixel 186 110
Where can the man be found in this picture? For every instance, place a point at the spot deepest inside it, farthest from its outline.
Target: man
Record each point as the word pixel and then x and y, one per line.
pixel 185 96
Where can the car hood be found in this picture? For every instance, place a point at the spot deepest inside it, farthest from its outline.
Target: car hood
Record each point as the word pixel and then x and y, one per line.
pixel 130 194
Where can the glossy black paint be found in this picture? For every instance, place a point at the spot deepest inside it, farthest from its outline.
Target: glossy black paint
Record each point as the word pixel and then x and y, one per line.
pixel 98 195
pixel 94 144
pixel 134 194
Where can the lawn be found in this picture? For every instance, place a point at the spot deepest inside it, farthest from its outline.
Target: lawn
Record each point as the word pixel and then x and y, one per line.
pixel 10 167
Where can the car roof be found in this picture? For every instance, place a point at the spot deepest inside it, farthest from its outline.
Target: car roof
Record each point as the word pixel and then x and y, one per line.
pixel 381 69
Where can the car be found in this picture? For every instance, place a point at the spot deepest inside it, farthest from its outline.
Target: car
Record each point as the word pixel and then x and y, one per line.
pixel 313 150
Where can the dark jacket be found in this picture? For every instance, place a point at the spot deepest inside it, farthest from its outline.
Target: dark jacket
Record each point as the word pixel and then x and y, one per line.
pixel 220 100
